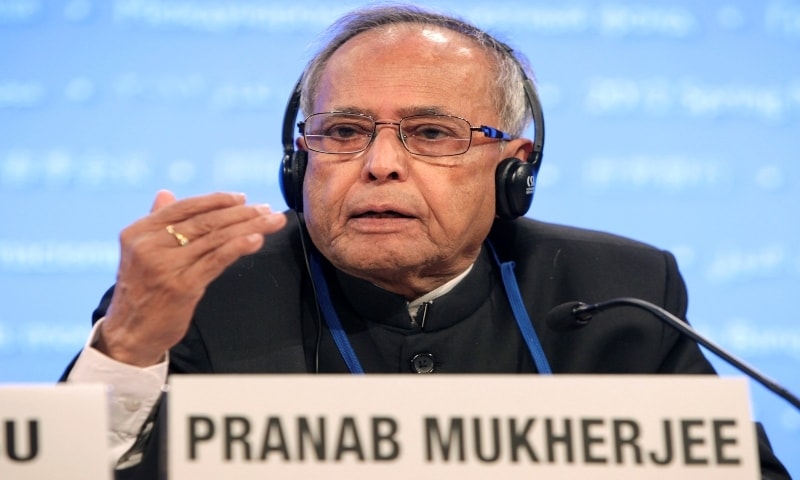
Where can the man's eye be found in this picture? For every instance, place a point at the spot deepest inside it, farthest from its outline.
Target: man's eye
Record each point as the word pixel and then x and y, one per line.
pixel 344 131
pixel 431 132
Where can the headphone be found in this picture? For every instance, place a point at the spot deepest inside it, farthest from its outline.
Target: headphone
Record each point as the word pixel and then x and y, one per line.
pixel 515 179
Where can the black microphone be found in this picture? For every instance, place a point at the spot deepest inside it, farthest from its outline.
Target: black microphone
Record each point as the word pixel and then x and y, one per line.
pixel 575 315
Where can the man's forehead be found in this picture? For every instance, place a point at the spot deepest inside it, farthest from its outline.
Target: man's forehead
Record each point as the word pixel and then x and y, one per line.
pixel 407 69
pixel 434 35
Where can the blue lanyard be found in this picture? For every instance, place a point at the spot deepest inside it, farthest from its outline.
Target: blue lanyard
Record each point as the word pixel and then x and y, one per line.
pixel 520 314
pixel 332 319
pixel 512 292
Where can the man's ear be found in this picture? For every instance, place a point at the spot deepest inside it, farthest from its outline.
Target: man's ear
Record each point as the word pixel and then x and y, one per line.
pixel 518 148
pixel 300 143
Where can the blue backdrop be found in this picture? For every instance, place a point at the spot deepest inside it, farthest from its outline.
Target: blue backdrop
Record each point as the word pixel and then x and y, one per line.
pixel 674 122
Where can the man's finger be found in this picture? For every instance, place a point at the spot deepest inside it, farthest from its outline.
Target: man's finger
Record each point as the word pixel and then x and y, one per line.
pixel 163 198
pixel 173 211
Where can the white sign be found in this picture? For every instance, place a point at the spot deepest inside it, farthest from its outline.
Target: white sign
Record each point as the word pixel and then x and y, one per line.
pixel 54 431
pixel 460 427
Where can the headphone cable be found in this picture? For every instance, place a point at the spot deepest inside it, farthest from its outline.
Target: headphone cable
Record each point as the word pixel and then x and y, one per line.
pixel 318 317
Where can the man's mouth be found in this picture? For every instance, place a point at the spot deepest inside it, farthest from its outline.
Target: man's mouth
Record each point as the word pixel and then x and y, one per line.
pixel 379 215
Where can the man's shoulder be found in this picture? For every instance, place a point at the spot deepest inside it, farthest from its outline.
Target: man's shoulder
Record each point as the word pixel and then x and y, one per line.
pixel 541 249
pixel 525 233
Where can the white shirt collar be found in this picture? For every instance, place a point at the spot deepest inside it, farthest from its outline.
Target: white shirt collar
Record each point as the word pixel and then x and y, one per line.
pixel 413 306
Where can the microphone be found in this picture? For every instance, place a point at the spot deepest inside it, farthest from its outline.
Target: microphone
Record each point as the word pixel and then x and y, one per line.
pixel 574 315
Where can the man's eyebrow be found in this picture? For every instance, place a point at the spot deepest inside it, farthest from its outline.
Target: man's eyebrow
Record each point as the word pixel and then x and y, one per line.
pixel 349 109
pixel 426 110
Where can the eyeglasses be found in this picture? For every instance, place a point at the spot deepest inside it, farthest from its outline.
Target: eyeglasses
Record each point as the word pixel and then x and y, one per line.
pixel 425 135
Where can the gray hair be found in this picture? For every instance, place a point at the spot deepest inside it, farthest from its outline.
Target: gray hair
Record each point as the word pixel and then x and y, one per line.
pixel 508 95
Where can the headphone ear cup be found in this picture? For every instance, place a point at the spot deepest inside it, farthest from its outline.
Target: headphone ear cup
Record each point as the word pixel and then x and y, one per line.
pixel 515 181
pixel 293 170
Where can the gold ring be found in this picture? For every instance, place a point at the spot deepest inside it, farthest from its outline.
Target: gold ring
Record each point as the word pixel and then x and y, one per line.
pixel 181 238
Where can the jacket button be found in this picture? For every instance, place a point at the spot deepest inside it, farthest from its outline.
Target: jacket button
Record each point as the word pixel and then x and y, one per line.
pixel 422 363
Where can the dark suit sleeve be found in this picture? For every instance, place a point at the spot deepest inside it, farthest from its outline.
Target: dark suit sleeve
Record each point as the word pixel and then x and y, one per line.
pixel 151 445
pixel 681 358
pixel 771 467
pixel 682 354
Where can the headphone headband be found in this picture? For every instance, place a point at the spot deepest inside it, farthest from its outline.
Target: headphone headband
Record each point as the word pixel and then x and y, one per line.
pixel 535 157
pixel 290 118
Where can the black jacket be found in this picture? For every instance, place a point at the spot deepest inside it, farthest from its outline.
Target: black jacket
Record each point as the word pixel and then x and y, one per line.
pixel 261 316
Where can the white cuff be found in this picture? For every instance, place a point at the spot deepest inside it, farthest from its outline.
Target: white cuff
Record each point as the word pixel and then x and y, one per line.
pixel 134 391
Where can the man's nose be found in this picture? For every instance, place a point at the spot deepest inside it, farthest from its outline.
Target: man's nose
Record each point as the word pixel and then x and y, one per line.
pixel 386 157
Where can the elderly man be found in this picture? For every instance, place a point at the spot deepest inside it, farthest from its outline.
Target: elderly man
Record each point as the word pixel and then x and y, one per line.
pixel 408 177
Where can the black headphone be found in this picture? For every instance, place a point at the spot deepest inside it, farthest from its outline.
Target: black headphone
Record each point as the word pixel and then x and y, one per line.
pixel 515 180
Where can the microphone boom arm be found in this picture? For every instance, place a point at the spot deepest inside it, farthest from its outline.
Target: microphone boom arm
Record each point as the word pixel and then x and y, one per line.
pixel 583 312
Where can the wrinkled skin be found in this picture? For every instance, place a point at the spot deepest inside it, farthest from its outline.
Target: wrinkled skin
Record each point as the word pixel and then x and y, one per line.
pixel 384 214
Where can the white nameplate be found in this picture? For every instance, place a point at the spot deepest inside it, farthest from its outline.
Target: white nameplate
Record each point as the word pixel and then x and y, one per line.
pixel 460 427
pixel 54 431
